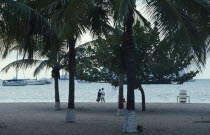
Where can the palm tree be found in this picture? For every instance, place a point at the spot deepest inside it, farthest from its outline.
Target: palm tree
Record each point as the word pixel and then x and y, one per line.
pixel 33 32
pixel 75 17
pixel 55 60
pixel 130 124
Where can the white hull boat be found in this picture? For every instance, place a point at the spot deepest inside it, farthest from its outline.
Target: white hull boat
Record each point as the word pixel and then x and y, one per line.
pixel 35 82
pixel 46 81
pixel 14 82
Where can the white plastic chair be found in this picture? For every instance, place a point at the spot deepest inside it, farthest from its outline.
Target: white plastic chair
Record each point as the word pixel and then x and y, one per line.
pixel 182 98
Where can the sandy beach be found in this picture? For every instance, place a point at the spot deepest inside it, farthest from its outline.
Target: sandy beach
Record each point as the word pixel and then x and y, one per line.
pixel 101 119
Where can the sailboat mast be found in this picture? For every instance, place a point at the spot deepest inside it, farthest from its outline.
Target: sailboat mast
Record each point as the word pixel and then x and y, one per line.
pixel 17 67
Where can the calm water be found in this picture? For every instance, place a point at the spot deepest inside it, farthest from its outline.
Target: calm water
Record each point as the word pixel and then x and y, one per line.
pixel 199 92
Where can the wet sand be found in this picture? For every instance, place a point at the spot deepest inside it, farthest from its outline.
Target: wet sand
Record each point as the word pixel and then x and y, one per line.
pixel 101 119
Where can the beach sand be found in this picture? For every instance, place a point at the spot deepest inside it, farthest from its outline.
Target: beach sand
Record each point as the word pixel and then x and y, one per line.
pixel 101 119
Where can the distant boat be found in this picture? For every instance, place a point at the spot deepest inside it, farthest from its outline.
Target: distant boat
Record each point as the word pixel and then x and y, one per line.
pixel 83 81
pixel 46 81
pixel 34 82
pixel 14 82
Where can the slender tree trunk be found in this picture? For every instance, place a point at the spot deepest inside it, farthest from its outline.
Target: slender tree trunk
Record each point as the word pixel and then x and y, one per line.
pixel 120 111
pixel 130 63
pixel 70 116
pixel 130 124
pixel 56 76
pixel 57 97
pixel 71 76
pixel 143 98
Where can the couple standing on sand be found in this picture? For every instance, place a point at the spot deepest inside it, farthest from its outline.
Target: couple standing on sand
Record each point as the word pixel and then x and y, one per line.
pixel 101 95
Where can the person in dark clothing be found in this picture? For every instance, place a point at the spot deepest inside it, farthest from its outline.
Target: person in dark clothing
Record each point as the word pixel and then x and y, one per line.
pixel 99 95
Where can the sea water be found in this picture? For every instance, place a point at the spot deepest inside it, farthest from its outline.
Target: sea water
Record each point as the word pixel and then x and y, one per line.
pixel 199 92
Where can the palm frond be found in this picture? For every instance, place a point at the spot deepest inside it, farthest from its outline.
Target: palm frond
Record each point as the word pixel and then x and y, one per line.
pixel 98 20
pixel 23 18
pixel 86 44
pixel 71 19
pixel 121 9
pixel 20 64
pixel 41 66
pixel 203 3
pixel 55 6
pixel 141 18
pixel 23 25
pixel 177 18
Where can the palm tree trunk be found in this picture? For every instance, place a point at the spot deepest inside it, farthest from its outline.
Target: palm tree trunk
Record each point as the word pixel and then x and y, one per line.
pixel 120 111
pixel 70 116
pixel 130 63
pixel 57 97
pixel 143 98
pixel 71 76
pixel 130 125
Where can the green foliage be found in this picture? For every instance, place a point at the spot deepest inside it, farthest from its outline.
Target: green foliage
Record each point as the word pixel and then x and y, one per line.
pixel 182 26
pixel 24 26
pixel 186 77
pixel 88 16
pixel 38 5
pixel 153 57
pixel 184 21
pixel 88 67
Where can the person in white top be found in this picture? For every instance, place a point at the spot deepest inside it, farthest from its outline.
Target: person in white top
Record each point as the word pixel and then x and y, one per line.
pixel 102 95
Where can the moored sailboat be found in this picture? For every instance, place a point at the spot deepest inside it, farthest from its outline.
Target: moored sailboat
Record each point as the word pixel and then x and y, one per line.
pixel 14 82
pixel 34 82
pixel 45 80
